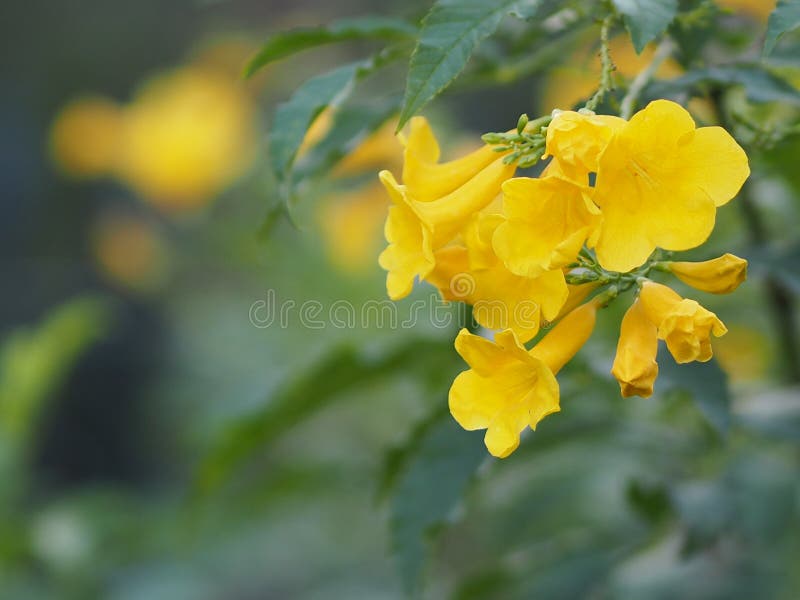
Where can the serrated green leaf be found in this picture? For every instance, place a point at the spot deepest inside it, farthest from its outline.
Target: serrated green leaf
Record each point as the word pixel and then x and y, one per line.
pixel 438 465
pixel 351 126
pixel 785 18
pixel 286 43
pixel 759 85
pixel 345 368
pixel 450 33
pixel 646 19
pixel 706 383
pixel 293 118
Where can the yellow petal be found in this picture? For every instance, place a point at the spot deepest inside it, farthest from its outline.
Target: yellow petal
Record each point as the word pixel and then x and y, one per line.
pixel 561 344
pixel 426 178
pixel 635 366
pixel 718 276
pixel 409 253
pixel 505 390
pixel 715 148
pixel 649 193
pixel 684 324
pixel 548 220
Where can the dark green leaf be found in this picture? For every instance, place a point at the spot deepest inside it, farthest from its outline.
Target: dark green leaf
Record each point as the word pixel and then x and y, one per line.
pixel 646 19
pixel 286 43
pixel 352 124
pixel 344 369
pixel 706 382
pixel 437 468
pixel 759 85
pixel 450 33
pixel 783 19
pixel 294 117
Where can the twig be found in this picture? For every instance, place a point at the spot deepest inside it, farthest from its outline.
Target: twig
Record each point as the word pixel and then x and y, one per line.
pixel 662 53
pixel 607 74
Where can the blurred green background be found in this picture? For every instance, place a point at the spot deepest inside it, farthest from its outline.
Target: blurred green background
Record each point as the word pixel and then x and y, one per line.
pixel 159 438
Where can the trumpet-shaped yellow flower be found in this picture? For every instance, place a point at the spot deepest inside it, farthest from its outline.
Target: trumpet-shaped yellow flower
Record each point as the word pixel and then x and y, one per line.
pixel 635 366
pixel 719 276
pixel 547 222
pixel 501 299
pixel 508 388
pixel 682 323
pixel 416 229
pixel 576 140
pixel 425 177
pixel 659 183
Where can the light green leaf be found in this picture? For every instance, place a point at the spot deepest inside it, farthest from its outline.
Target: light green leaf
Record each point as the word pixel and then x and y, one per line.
pixel 450 33
pixel 352 125
pixel 706 383
pixel 293 118
pixel 440 461
pixel 286 43
pixel 344 369
pixel 759 85
pixel 783 19
pixel 646 19
pixel 34 362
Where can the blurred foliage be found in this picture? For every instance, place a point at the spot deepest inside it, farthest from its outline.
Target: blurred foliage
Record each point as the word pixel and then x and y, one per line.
pixel 299 462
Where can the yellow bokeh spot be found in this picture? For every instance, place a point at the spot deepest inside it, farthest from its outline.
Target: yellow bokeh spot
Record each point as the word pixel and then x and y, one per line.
pixel 743 353
pixel 129 252
pixel 568 85
pixel 85 136
pixel 758 9
pixel 351 224
pixel 187 135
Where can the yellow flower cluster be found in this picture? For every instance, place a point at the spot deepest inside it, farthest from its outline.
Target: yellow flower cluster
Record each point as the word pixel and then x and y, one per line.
pixel 530 251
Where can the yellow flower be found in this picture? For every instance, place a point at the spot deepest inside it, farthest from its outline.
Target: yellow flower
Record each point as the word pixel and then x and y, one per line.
pixel 576 140
pixel 683 324
pixel 425 177
pixel 547 222
pixel 415 229
pixel 85 137
pixel 659 183
pixel 719 276
pixel 508 388
pixel 501 299
pixel 635 366
pixel 188 134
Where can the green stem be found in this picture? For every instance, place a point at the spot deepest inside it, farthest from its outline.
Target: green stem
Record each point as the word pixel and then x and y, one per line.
pixel 607 74
pixel 662 53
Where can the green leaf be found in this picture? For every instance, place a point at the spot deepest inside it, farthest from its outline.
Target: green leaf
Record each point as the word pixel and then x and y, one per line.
pixel 344 369
pixel 439 463
pixel 351 126
pixel 706 383
pixel 286 43
pixel 646 19
pixel 34 362
pixel 783 19
pixel 759 85
pixel 450 33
